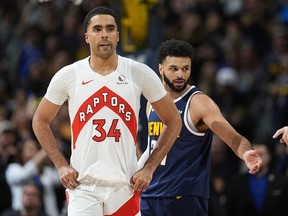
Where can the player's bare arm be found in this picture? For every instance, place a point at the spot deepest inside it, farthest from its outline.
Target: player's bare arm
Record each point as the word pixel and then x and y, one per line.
pixel 206 114
pixel 42 119
pixel 167 111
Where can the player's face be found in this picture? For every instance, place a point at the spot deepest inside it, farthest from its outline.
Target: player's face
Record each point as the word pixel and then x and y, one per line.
pixel 102 35
pixel 176 72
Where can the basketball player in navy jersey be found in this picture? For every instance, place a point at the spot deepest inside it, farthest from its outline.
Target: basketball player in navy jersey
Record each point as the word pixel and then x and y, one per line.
pixel 180 185
pixel 284 132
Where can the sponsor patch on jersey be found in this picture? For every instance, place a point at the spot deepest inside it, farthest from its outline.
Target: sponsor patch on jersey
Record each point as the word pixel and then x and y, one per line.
pixel 122 80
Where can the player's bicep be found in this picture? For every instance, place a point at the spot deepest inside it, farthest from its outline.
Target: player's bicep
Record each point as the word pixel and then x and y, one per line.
pixel 207 111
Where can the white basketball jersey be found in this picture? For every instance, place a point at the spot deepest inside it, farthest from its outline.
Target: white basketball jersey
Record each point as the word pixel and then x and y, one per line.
pixel 104 112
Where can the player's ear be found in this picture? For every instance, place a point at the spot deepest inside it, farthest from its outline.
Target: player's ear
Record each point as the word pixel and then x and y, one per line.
pixel 86 38
pixel 160 68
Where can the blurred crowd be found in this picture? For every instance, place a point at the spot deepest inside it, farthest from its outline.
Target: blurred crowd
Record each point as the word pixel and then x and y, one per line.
pixel 241 62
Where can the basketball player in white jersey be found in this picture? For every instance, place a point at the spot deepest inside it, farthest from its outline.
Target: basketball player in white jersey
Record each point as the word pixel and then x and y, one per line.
pixel 103 93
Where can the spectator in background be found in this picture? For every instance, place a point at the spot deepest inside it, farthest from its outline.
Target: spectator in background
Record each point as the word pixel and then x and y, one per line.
pixel 30 52
pixel 276 69
pixel 70 31
pixel 60 58
pixel 31 200
pixel 207 76
pixel 262 194
pixel 5 195
pixel 31 165
pixel 22 122
pixel 8 138
pixel 281 163
pixel 239 23
pixel 227 96
pixel 223 164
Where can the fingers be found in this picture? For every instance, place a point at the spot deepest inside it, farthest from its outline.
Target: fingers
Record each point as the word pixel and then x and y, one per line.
pixel 285 135
pixel 139 184
pixel 284 132
pixel 255 164
pixel 255 168
pixel 68 177
pixel 70 183
pixel 249 153
pixel 278 132
pixel 253 161
pixel 139 188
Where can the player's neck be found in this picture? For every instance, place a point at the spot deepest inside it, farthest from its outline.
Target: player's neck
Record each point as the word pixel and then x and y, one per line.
pixel 103 66
pixel 174 94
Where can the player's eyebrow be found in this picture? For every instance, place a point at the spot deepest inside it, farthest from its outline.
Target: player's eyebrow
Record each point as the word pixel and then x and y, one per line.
pixel 106 26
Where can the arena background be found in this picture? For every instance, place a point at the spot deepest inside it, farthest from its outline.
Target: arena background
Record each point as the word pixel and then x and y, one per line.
pixel 241 62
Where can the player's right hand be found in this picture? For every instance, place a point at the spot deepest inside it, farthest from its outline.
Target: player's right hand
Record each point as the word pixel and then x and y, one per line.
pixel 253 161
pixel 141 180
pixel 68 177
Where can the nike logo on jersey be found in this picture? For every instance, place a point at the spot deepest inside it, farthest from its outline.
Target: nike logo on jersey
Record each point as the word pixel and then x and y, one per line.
pixel 86 82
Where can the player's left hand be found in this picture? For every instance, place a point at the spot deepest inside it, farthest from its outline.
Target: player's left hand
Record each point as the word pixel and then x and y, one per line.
pixel 253 161
pixel 141 179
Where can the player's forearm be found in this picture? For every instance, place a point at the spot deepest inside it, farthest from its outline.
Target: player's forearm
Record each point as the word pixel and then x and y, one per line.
pixel 164 144
pixel 240 145
pixel 244 147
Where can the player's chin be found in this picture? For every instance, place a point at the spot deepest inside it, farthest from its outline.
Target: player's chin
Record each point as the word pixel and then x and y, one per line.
pixel 179 88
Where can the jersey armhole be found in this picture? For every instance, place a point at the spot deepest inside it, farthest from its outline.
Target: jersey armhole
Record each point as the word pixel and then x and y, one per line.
pixel 187 118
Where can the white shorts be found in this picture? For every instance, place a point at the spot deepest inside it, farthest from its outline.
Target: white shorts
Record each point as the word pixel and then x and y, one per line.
pixel 91 200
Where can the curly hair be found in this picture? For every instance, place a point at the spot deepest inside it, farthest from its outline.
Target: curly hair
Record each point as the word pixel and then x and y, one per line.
pixel 176 48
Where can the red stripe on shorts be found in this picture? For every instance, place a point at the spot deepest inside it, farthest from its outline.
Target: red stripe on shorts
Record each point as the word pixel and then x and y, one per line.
pixel 130 208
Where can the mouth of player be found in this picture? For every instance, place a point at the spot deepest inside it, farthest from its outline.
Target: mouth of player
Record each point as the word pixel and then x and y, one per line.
pixel 105 45
pixel 179 82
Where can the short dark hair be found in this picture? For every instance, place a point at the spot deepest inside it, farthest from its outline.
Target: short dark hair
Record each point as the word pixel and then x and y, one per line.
pixel 176 48
pixel 97 11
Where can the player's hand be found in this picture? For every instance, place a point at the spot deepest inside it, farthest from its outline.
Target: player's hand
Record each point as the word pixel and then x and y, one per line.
pixel 253 161
pixel 284 132
pixel 141 179
pixel 68 177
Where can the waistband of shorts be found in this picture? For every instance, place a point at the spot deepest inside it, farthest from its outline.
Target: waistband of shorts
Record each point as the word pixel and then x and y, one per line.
pixel 90 181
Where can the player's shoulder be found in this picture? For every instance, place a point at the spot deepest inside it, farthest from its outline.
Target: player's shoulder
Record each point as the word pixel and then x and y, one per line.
pixel 199 97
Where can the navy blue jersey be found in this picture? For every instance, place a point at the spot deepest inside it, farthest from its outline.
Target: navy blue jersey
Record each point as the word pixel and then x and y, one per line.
pixel 185 169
